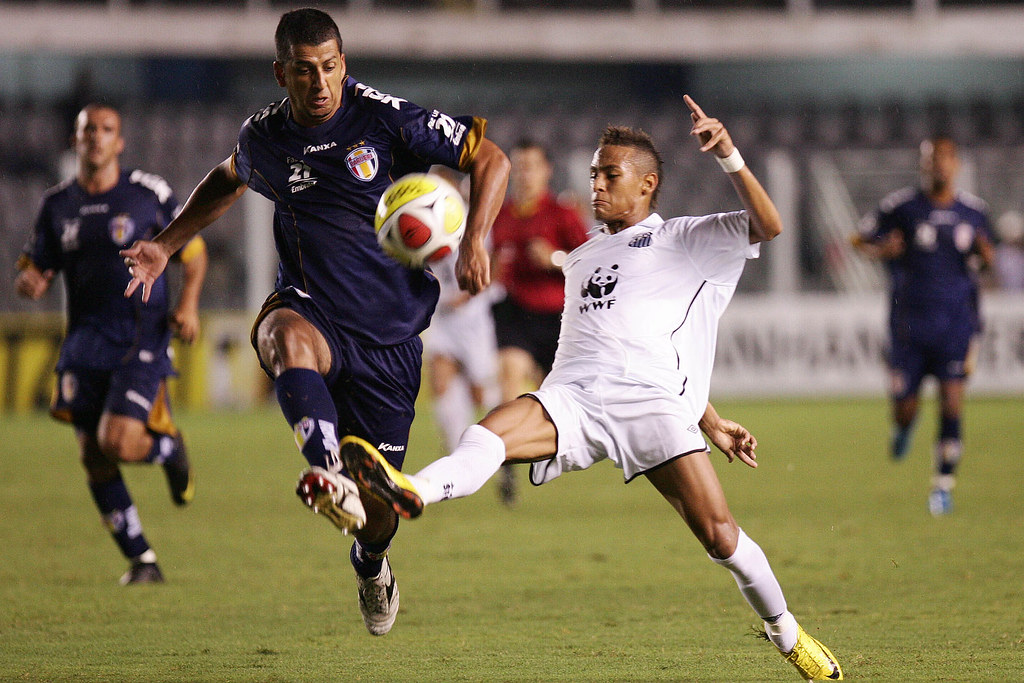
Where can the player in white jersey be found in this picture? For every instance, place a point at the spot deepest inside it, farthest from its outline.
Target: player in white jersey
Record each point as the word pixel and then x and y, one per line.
pixel 461 353
pixel 632 373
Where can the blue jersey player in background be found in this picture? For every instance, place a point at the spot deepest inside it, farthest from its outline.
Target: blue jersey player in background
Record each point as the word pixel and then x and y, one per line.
pixel 340 333
pixel 933 240
pixel 114 361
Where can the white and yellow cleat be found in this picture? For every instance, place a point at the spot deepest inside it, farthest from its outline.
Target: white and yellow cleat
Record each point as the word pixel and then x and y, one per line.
pixel 812 659
pixel 375 474
pixel 334 496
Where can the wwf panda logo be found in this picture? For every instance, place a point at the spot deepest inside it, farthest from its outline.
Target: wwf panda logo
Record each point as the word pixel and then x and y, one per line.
pixel 601 283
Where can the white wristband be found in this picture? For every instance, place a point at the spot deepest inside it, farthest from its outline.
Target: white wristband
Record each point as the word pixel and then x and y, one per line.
pixel 731 163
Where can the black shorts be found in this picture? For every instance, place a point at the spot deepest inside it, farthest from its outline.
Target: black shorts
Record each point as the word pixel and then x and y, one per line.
pixel 535 333
pixel 374 387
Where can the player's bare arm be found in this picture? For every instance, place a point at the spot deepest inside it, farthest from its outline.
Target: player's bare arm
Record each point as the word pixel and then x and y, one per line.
pixel 185 317
pixel 987 252
pixel 889 247
pixel 732 438
pixel 765 222
pixel 33 283
pixel 147 260
pixel 488 178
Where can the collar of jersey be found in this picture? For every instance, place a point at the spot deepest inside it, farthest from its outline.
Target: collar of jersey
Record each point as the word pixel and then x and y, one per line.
pixel 652 222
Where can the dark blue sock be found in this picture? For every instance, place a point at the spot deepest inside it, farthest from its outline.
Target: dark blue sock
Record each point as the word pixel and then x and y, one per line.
pixel 307 405
pixel 949 428
pixel 164 448
pixel 120 516
pixel 368 558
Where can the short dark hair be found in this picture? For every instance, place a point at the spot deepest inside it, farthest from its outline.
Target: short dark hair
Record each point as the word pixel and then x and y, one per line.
pixel 306 26
pixel 530 143
pixel 623 136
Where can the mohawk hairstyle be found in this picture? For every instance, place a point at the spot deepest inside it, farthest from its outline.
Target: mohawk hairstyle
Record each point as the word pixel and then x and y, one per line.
pixel 306 26
pixel 651 161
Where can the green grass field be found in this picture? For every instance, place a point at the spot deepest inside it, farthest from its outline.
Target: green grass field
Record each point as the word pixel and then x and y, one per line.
pixel 586 580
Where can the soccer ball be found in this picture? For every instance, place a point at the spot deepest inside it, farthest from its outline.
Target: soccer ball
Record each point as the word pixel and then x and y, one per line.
pixel 420 219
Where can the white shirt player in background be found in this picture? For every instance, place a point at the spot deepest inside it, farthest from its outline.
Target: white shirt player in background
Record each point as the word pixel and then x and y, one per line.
pixel 459 347
pixel 631 376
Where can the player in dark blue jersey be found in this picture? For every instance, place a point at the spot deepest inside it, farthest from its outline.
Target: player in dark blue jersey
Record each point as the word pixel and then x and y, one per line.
pixel 340 333
pixel 933 240
pixel 114 361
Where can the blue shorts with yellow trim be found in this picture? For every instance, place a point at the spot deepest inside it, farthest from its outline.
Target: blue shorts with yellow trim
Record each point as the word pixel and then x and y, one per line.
pixel 374 388
pixel 134 389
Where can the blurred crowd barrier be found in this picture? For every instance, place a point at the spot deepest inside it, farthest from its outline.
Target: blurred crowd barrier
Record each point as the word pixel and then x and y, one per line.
pixel 834 345
pixel 801 345
pixel 218 372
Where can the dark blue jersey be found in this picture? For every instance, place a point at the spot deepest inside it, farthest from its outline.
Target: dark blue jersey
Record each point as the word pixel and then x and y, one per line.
pixel 933 278
pixel 80 235
pixel 325 182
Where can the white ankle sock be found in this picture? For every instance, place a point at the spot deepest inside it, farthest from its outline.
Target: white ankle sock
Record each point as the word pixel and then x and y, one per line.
pixel 757 583
pixel 475 460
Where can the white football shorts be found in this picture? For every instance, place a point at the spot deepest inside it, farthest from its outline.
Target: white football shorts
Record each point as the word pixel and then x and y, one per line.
pixel 636 426
pixel 468 337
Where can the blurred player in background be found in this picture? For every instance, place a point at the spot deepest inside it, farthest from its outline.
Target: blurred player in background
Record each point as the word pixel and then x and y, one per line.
pixel 114 363
pixel 934 239
pixel 1009 254
pixel 459 347
pixel 340 333
pixel 632 374
pixel 532 234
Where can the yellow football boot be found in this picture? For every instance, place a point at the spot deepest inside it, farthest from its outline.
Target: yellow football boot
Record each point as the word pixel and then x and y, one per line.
pixel 374 473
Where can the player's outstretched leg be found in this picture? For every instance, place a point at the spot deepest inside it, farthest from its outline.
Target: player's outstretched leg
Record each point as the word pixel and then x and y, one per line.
pixel 375 474
pixel 334 496
pixel 178 469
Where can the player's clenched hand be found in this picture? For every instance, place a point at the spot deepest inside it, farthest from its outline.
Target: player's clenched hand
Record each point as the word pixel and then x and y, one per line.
pixel 710 132
pixel 146 261
pixel 185 323
pixel 735 441
pixel 33 283
pixel 473 266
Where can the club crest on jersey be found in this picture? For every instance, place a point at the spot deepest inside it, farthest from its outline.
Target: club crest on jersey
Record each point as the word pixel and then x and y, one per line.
pixel 598 288
pixel 122 227
pixel 363 163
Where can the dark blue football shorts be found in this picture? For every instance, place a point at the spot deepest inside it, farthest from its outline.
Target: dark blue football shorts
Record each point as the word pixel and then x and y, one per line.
pixel 374 387
pixel 923 346
pixel 134 389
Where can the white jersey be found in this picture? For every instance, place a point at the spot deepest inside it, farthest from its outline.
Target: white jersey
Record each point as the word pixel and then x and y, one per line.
pixel 633 369
pixel 644 304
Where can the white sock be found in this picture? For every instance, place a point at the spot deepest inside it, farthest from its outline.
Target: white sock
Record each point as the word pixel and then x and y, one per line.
pixel 782 633
pixel 453 411
pixel 758 584
pixel 475 460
